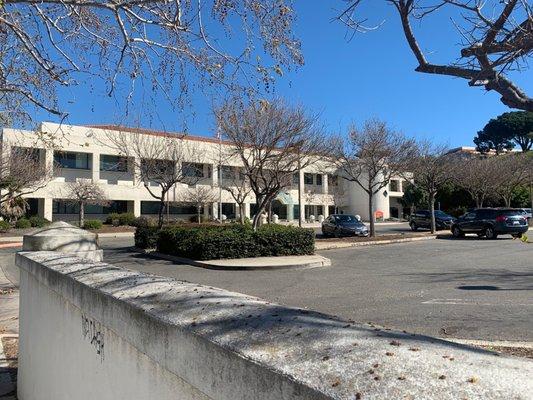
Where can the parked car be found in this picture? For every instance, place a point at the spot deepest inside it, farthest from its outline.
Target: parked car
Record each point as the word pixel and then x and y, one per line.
pixel 422 219
pixel 491 222
pixel 343 225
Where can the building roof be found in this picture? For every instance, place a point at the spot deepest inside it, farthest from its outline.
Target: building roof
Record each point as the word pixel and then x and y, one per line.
pixel 154 132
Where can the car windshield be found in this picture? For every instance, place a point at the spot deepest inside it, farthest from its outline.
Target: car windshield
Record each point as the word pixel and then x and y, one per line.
pixel 509 213
pixel 441 214
pixel 345 218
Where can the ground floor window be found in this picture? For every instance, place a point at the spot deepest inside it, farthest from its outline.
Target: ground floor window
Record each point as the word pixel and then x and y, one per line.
pixel 65 207
pixel 332 210
pixel 60 207
pixel 152 207
pixel 229 210
pixel 279 209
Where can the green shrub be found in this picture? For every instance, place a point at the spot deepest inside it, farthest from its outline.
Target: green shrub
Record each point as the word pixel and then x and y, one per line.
pixel 126 219
pixel 38 222
pixel 23 223
pixel 279 240
pixel 4 226
pixel 207 242
pixel 92 224
pixel 113 219
pixel 146 234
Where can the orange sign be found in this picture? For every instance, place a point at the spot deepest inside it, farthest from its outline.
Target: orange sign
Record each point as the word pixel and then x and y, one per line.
pixel 379 214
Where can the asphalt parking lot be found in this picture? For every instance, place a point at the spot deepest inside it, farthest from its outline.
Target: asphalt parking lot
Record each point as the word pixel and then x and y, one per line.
pixel 470 288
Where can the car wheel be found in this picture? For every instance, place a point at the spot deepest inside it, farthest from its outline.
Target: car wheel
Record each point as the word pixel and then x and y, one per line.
pixel 489 233
pixel 413 226
pixel 457 233
pixel 324 233
pixel 337 233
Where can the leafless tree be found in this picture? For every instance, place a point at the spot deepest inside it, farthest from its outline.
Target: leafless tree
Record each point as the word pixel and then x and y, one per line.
pixel 21 173
pixel 272 141
pixel 85 192
pixel 477 176
pixel 496 37
pixel 162 45
pixel 160 162
pixel 432 168
pixel 200 196
pixel 234 181
pixel 371 156
pixel 513 171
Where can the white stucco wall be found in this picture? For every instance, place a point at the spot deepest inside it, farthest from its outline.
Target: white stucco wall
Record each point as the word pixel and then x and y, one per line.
pixel 94 331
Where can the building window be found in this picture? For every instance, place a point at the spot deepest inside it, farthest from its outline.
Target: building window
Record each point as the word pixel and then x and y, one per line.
pixel 295 178
pixel 152 207
pixel 308 179
pixel 113 163
pixel 71 160
pixel 26 153
pixel 394 185
pixel 193 170
pixel 67 207
pixel 333 180
pixel 319 180
pixel 227 172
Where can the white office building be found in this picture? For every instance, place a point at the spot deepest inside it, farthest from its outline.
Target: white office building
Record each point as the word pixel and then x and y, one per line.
pixel 83 152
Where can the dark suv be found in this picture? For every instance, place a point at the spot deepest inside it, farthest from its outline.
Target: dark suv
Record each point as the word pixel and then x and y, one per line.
pixel 422 219
pixel 491 222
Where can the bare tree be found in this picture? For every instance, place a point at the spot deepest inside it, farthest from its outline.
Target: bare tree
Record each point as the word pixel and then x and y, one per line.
pixel 160 162
pixel 513 171
pixel 496 37
pixel 200 196
pixel 21 173
pixel 85 192
pixel 432 168
pixel 371 156
pixel 477 176
pixel 234 181
pixel 272 141
pixel 164 45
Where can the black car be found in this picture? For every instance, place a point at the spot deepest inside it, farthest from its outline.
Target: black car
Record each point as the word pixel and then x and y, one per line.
pixel 422 219
pixel 491 222
pixel 343 225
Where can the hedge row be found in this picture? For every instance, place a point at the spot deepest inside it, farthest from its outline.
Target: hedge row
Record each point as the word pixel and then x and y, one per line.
pixel 209 242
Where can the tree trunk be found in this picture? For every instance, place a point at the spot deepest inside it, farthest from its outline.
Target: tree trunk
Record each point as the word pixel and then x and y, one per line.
pixel 161 211
pixel 371 214
pixel 199 210
pixel 432 212
pixel 241 213
pixel 82 215
pixel 269 220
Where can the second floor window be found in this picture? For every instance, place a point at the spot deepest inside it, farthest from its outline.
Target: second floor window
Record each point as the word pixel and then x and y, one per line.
pixel 308 179
pixel 72 160
pixel 394 185
pixel 319 180
pixel 193 170
pixel 113 163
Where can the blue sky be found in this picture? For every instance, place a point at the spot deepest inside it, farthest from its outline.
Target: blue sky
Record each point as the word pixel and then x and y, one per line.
pixel 345 81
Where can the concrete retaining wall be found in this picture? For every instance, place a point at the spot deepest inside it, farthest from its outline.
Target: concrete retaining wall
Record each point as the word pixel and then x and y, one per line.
pixel 94 331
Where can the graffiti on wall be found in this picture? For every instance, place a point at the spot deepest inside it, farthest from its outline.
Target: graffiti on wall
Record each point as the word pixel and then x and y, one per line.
pixel 92 332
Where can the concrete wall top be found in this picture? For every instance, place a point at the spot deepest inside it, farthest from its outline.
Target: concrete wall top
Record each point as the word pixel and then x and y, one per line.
pixel 310 355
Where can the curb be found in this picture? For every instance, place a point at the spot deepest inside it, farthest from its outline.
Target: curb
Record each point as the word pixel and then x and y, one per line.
pixel 211 264
pixel 495 343
pixel 373 243
pixel 8 245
